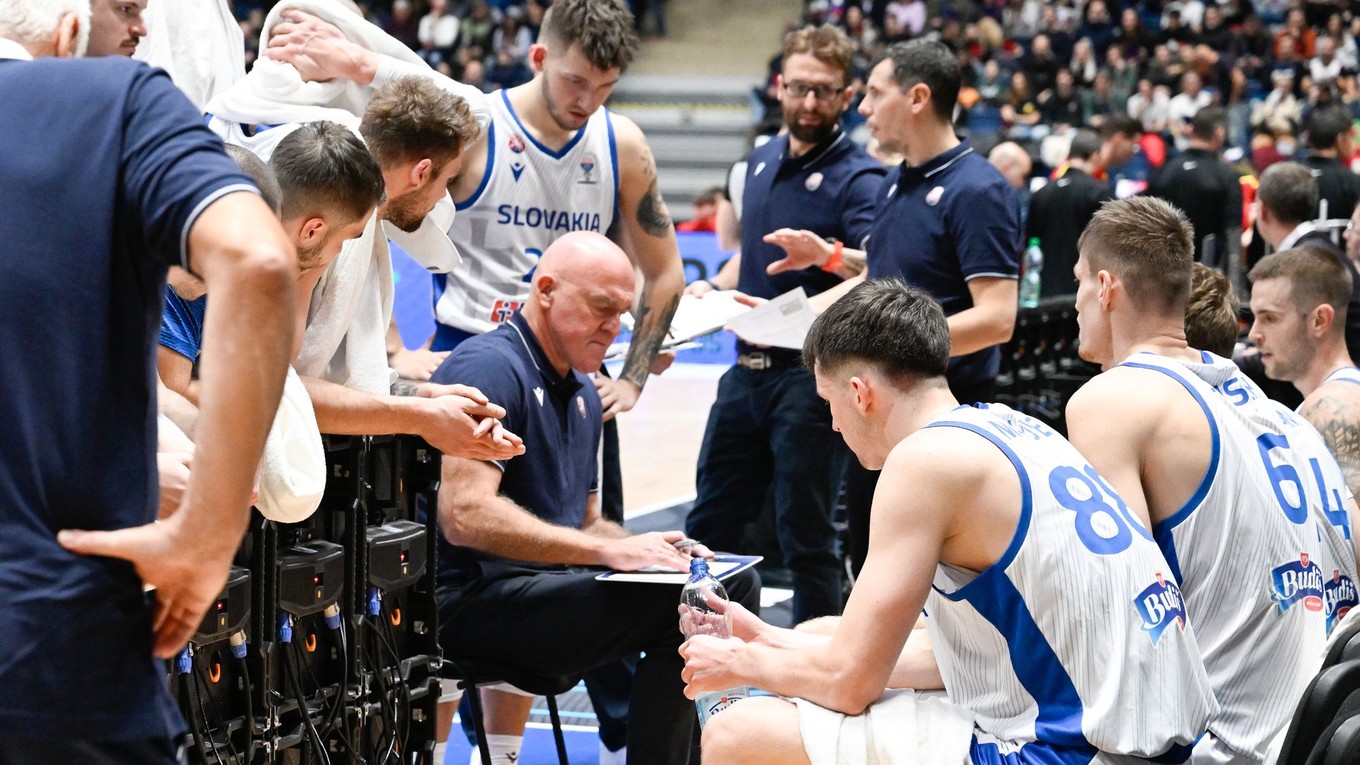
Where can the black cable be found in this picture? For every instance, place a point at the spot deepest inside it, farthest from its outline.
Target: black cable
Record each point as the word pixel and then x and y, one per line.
pixel 244 669
pixel 194 728
pixel 203 712
pixel 386 704
pixel 204 686
pixel 391 643
pixel 293 674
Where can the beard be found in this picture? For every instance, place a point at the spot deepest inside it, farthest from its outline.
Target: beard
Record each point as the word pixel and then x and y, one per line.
pixel 405 212
pixel 813 134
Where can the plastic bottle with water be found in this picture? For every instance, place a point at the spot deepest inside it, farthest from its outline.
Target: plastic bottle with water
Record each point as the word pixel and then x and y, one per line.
pixel 707 599
pixel 1031 278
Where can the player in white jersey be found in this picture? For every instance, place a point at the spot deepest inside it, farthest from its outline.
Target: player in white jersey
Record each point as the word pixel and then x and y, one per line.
pixel 555 160
pixel 1055 624
pixel 529 195
pixel 1182 436
pixel 1299 298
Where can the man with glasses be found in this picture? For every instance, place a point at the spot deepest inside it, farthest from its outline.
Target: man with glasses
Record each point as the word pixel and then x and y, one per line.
pixel 808 190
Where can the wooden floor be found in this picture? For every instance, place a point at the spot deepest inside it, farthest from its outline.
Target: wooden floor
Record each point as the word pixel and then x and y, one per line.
pixel 659 440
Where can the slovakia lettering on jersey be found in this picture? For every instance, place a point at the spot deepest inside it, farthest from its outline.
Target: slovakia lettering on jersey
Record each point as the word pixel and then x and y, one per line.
pixel 553 220
pixel 1298 580
pixel 1160 606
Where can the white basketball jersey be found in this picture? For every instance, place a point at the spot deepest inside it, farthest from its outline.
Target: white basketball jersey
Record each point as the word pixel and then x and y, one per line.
pixel 529 196
pixel 1077 638
pixel 1346 374
pixel 1248 553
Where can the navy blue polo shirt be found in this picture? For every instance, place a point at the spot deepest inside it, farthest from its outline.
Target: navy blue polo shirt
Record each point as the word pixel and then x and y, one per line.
pixel 105 166
pixel 559 417
pixel 831 191
pixel 182 324
pixel 941 224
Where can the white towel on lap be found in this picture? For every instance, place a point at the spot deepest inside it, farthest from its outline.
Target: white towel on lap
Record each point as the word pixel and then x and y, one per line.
pixel 903 727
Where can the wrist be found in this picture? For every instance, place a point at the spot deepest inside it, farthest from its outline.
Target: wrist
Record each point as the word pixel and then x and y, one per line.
pixel 835 260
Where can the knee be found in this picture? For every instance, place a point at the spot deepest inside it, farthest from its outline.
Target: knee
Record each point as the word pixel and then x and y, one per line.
pixel 724 736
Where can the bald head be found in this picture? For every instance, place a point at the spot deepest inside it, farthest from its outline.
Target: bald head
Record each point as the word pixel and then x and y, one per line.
pixel 582 257
pixel 1013 162
pixel 583 284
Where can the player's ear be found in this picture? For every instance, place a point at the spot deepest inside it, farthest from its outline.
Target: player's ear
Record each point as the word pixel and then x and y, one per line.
pixel 421 172
pixel 537 53
pixel 863 393
pixel 1321 318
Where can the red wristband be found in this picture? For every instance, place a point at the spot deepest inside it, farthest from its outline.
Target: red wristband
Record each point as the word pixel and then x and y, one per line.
pixel 833 263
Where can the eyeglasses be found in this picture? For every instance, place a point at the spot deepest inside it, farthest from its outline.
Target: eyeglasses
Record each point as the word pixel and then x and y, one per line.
pixel 820 92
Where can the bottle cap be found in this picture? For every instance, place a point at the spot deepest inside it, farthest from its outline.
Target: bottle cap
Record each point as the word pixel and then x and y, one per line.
pixel 1034 241
pixel 698 567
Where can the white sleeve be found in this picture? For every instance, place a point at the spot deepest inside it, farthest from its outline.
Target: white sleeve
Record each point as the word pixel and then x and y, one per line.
pixel 391 69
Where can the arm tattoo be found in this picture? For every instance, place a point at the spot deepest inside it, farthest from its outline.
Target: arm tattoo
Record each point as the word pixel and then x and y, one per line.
pixel 650 333
pixel 404 388
pixel 652 214
pixel 1340 429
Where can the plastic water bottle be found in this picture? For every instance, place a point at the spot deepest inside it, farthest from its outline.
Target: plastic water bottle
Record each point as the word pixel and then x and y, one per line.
pixel 1031 279
pixel 707 599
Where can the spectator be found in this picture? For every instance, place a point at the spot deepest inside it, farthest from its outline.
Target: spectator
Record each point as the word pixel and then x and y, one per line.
pixel 1344 43
pixel 1253 49
pixel 1100 101
pixel 474 36
pixel 1174 31
pixel 1184 106
pixel 509 71
pixel 513 36
pixel 1096 26
pixel 1201 184
pixel 705 212
pixel 1062 109
pixel 1215 33
pixel 1165 67
pixel 403 25
pixel 1329 132
pixel 1135 42
pixel 1021 112
pixel 1060 211
pixel 1040 65
pixel 1325 67
pixel 1189 13
pixel 1083 66
pixel 1297 36
pixel 910 16
pixel 1280 111
pixel 1124 74
pixel 438 33
pixel 992 83
pixel 1151 106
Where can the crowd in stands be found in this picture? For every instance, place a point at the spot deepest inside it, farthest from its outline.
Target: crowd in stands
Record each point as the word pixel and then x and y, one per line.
pixel 481 42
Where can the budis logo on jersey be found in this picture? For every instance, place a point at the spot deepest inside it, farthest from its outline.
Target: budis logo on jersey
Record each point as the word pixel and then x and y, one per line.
pixel 1298 580
pixel 1338 597
pixel 1160 606
pixel 588 165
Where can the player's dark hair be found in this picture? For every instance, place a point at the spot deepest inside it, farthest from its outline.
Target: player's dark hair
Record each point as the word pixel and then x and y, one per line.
pixel 603 29
pixel 898 328
pixel 931 63
pixel 1149 244
pixel 322 168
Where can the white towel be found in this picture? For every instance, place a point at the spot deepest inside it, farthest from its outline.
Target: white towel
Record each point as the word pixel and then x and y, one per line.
pixel 902 728
pixel 199 43
pixel 293 469
pixel 345 339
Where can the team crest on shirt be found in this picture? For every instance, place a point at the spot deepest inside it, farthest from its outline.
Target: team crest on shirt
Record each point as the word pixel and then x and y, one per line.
pixel 588 169
pixel 1338 597
pixel 935 195
pixel 516 146
pixel 1160 606
pixel 814 182
pixel 581 406
pixel 1298 581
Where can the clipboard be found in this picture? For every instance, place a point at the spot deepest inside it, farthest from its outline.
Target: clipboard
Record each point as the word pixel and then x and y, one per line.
pixel 721 567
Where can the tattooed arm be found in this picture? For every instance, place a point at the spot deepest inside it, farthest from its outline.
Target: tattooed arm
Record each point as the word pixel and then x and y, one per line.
pixel 1337 417
pixel 645 232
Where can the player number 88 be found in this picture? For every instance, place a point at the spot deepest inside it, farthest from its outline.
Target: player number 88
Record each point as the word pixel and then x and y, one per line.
pixel 1104 524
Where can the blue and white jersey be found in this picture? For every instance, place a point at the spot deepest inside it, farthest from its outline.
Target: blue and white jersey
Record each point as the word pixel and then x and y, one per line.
pixel 529 196
pixel 1076 641
pixel 1248 551
pixel 1345 374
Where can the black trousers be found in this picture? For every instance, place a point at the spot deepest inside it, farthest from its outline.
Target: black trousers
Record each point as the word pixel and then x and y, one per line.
pixel 16 750
pixel 562 622
pixel 769 432
pixel 861 482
